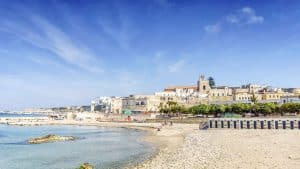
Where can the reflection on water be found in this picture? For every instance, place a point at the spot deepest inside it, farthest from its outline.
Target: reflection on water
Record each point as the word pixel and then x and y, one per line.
pixel 102 147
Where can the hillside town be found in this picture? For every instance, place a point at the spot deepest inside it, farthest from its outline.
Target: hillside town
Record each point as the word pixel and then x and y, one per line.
pixel 203 92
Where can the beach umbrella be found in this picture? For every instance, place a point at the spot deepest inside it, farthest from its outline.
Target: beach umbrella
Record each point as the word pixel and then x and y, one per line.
pixel 127 112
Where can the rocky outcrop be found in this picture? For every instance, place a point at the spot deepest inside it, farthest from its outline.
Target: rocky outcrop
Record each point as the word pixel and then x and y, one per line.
pixel 86 166
pixel 50 138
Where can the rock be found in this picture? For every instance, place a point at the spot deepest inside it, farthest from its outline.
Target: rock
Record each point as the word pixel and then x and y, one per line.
pixel 86 166
pixel 50 138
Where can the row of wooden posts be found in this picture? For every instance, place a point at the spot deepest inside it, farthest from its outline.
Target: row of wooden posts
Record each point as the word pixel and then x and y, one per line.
pixel 254 123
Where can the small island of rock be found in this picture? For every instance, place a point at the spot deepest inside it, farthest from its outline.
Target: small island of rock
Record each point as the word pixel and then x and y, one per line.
pixel 50 138
pixel 86 166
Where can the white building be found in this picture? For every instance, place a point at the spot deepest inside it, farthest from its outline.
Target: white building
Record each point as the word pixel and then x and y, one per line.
pixel 107 105
pixel 289 99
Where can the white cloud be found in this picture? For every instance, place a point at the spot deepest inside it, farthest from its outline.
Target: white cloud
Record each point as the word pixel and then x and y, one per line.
pixel 232 19
pixel 245 15
pixel 42 34
pixel 212 28
pixel 177 66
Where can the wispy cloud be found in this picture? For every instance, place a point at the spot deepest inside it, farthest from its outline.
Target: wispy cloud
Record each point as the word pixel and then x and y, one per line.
pixel 177 66
pixel 246 15
pixel 44 61
pixel 120 29
pixel 120 35
pixel 42 34
pixel 215 28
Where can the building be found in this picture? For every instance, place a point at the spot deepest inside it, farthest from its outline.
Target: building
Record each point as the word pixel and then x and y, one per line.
pixel 141 103
pixel 107 105
pixel 289 99
pixel 189 95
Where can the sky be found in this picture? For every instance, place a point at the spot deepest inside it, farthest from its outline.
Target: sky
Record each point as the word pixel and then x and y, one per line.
pixel 62 53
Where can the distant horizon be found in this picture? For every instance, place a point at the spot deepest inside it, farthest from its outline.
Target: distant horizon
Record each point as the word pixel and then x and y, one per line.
pixel 56 53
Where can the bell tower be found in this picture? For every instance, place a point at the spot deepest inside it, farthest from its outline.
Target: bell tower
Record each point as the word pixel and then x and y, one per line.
pixel 203 85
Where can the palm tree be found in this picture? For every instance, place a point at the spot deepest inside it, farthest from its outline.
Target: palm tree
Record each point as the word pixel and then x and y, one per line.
pixel 254 98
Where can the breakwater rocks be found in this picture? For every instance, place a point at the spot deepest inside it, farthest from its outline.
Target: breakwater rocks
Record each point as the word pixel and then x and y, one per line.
pixel 50 138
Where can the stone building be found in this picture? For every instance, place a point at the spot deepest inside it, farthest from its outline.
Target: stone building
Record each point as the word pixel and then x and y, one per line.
pixel 189 95
pixel 141 103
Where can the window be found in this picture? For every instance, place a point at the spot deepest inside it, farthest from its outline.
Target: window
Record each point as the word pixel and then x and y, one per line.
pixel 204 87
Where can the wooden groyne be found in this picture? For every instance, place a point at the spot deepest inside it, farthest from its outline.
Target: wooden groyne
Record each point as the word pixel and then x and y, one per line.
pixel 254 123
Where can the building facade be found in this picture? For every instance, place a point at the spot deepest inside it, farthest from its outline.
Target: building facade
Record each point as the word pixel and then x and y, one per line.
pixel 107 105
pixel 141 103
pixel 189 95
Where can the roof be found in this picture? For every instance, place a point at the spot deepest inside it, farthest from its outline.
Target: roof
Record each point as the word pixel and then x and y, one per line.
pixel 220 87
pixel 181 87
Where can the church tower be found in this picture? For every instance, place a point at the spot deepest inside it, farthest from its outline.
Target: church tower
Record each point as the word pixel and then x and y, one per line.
pixel 203 85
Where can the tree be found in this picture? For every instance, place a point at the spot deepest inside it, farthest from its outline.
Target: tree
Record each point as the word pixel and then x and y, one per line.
pixel 211 82
pixel 253 98
pixel 193 110
pixel 199 109
pixel 255 109
pixel 216 109
pixel 228 108
pixel 203 109
pixel 290 108
pixel 237 108
pixel 266 108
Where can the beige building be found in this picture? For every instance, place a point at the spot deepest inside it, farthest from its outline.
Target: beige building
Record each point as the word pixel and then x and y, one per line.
pixel 189 95
pixel 141 103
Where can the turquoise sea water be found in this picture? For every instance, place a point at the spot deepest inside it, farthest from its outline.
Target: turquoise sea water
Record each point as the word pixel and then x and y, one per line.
pixel 102 147
pixel 2 114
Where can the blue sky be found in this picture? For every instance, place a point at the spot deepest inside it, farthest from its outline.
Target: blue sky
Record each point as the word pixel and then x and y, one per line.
pixel 55 53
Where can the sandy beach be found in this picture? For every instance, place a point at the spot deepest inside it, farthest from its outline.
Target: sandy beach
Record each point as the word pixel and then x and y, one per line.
pixel 227 149
pixel 184 146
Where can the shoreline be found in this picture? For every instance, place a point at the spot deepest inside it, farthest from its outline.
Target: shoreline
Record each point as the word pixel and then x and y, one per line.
pixel 169 137
pixel 185 146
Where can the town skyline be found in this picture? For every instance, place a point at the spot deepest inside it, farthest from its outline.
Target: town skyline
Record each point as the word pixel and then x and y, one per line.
pixel 65 53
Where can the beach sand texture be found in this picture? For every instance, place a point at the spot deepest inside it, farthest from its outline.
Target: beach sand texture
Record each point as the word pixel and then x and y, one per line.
pixel 230 149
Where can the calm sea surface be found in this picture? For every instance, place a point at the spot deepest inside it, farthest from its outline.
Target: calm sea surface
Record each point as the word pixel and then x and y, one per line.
pixel 102 147
pixel 19 115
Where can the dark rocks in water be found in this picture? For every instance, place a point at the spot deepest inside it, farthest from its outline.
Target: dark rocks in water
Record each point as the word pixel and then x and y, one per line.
pixel 86 166
pixel 50 138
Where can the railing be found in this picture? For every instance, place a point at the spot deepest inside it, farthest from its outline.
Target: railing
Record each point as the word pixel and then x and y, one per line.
pixel 253 123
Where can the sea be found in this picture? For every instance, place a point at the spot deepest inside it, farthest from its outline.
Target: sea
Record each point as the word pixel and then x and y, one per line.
pixel 3 114
pixel 104 148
